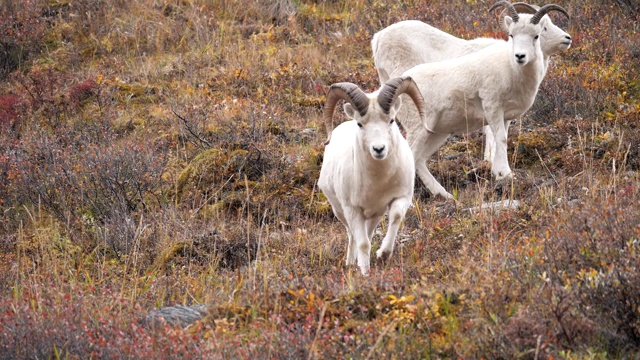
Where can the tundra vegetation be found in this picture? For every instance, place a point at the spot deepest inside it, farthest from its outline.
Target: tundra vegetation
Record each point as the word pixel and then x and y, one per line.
pixel 165 153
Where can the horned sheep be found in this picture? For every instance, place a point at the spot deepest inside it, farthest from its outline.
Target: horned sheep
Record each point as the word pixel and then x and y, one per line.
pixel 490 86
pixel 368 168
pixel 403 45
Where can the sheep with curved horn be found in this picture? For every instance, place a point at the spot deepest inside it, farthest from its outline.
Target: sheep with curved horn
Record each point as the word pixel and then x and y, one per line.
pixel 487 87
pixel 405 44
pixel 368 169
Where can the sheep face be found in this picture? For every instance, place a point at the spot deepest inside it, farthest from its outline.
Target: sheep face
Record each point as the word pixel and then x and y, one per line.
pixel 553 40
pixel 377 131
pixel 525 39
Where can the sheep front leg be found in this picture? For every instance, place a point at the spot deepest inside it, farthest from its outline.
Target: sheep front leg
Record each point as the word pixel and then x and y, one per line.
pixel 397 210
pixel 500 164
pixel 340 214
pixel 351 254
pixel 359 242
pixel 490 141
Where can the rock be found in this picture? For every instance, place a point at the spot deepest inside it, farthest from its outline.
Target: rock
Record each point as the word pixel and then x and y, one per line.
pixel 496 206
pixel 178 315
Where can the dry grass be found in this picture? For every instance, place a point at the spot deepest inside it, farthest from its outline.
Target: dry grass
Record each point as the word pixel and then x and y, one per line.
pixel 162 153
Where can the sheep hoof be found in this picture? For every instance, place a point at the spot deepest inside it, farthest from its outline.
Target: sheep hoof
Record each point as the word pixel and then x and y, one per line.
pixel 504 176
pixel 365 272
pixel 503 185
pixel 383 255
pixel 505 181
pixel 446 195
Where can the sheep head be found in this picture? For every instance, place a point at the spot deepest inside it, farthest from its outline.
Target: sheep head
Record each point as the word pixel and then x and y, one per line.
pixel 348 92
pixel 374 113
pixel 396 87
pixel 524 34
pixel 553 40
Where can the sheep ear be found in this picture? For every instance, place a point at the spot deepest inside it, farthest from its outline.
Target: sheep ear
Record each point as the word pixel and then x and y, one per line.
pixel 395 107
pixel 349 110
pixel 504 25
pixel 544 20
pixel 507 22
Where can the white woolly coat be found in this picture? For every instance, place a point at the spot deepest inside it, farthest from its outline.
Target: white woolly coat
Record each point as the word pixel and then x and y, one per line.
pixel 351 177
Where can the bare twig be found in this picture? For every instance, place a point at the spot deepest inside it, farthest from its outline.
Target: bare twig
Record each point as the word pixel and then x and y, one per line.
pixel 312 349
pixel 546 168
pixel 384 332
pixel 189 128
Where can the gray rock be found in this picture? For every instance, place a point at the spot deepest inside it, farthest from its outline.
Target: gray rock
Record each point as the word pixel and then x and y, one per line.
pixel 176 315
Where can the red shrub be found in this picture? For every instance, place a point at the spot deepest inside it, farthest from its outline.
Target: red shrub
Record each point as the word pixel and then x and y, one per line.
pixel 8 107
pixel 82 91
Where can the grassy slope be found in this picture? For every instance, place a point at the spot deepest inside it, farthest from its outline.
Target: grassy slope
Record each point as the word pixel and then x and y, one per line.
pixel 165 152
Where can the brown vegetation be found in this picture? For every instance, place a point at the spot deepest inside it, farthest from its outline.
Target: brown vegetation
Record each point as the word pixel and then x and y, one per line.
pixel 165 153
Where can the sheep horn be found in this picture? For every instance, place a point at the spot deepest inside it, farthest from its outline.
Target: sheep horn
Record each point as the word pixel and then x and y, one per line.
pixel 348 92
pixel 398 86
pixel 545 9
pixel 512 11
pixel 521 8
pixel 525 8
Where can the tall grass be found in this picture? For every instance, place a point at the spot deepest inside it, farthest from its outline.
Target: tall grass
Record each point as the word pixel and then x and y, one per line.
pixel 162 153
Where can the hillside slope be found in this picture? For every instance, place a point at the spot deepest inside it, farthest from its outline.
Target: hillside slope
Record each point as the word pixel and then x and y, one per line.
pixel 165 152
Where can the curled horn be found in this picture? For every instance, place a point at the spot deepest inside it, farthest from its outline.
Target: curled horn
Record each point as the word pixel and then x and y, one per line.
pixel 525 8
pixel 398 86
pixel 348 92
pixel 512 11
pixel 545 9
pixel 522 8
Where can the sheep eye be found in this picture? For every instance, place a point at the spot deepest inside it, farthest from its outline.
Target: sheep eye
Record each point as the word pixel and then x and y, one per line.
pixel 360 125
pixel 391 122
pixel 545 28
pixel 536 38
pixel 511 36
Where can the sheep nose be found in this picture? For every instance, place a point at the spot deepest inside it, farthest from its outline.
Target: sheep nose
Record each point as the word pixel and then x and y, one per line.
pixel 378 149
pixel 568 37
pixel 520 57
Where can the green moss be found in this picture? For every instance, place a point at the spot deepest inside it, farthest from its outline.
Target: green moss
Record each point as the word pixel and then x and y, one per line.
pixel 215 169
pixel 200 168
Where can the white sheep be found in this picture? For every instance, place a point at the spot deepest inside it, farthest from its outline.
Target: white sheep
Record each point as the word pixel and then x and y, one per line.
pixel 490 86
pixel 368 168
pixel 406 44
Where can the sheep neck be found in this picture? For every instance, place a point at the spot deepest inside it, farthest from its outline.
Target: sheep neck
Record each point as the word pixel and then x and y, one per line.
pixel 376 183
pixel 375 172
pixel 547 59
pixel 522 97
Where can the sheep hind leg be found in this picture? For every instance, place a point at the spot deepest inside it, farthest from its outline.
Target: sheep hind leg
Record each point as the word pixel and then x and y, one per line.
pixel 423 146
pixel 363 246
pixel 397 210
pixel 489 144
pixel 370 226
